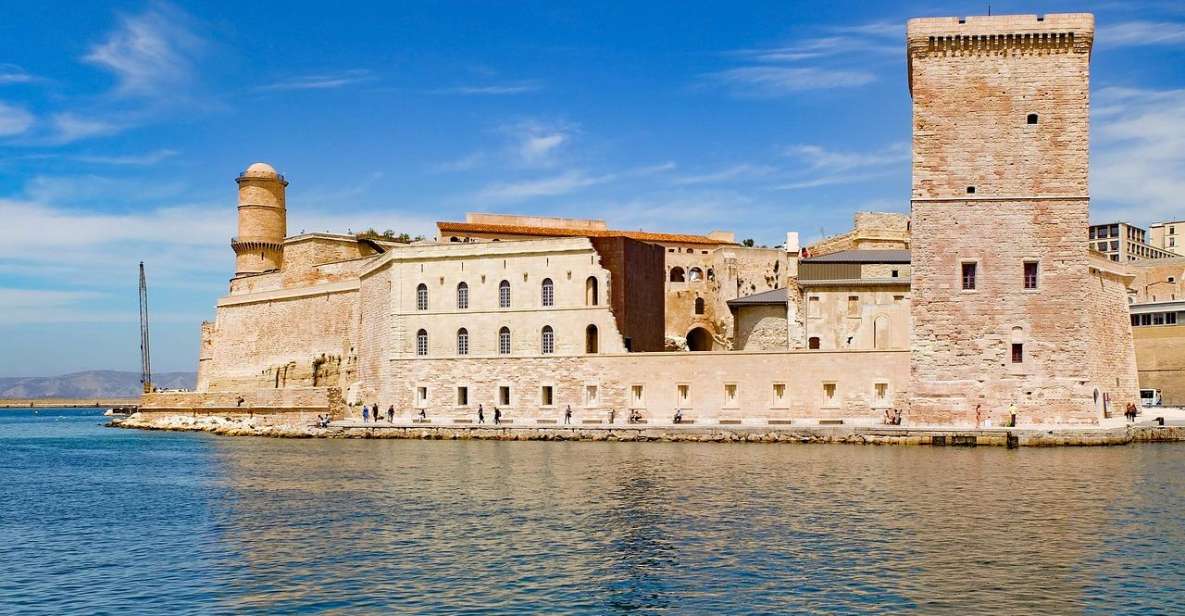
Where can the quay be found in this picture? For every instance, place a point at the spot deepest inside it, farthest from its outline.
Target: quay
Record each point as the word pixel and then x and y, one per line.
pixel 1166 426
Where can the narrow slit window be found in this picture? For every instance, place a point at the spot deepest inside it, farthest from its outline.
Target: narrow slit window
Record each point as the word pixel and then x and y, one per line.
pixel 1030 274
pixel 969 276
pixel 1018 352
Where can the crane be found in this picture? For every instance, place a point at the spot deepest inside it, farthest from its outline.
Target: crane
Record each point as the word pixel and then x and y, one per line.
pixel 145 347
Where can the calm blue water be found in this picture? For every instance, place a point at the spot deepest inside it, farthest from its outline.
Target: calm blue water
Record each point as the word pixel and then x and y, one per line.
pixel 94 519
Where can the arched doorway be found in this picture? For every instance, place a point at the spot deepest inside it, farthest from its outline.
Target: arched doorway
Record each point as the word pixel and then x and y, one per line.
pixel 699 339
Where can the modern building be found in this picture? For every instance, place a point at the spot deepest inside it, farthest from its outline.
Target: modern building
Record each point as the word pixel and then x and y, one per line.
pixel 1168 236
pixel 1123 242
pixel 1159 332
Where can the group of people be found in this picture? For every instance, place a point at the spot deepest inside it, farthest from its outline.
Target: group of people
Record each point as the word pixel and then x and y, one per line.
pixel 481 415
pixel 373 411
pixel 893 417
pixel 1131 411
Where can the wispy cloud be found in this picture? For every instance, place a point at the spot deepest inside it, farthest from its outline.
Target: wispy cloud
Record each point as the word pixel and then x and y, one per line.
pixel 1139 152
pixel 536 143
pixel 14 120
pixel 149 158
pixel 152 54
pixel 68 127
pixel 504 89
pixel 320 81
pixel 467 162
pixel 564 183
pixel 1140 33
pixel 819 158
pixel 776 81
pixel 11 73
pixel 734 172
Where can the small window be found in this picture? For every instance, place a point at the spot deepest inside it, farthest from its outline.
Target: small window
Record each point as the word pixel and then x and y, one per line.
pixel 547 342
pixel 894 274
pixel 504 395
pixel 1032 118
pixel 637 396
pixel 828 394
pixel 590 395
pixel 422 342
pixel 812 306
pixel 504 294
pixel 682 395
pixel 1018 352
pixel 813 343
pixel 462 396
pixel 695 274
pixel 422 297
pixel 421 397
pixel 462 341
pixel 547 293
pixel 881 391
pixel 1030 274
pixel 462 296
pixel 853 305
pixel 699 305
pixel 676 274
pixel 969 276
pixel 1172 279
pixel 730 395
pixel 547 396
pixel 779 394
pixel 971 190
pixel 504 341
pixel 590 339
pixel 590 291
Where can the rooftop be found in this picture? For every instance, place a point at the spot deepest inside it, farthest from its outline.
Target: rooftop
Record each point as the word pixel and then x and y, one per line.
pixel 446 228
pixel 776 296
pixel 862 256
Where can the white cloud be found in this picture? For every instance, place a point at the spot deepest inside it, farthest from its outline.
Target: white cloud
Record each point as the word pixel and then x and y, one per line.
pixel 819 158
pixel 775 81
pixel 68 127
pixel 11 73
pixel 464 163
pixel 1140 33
pixel 521 87
pixel 146 159
pixel 1139 152
pixel 546 187
pixel 321 81
pixel 152 54
pixel 535 143
pixel 14 120
pixel 734 172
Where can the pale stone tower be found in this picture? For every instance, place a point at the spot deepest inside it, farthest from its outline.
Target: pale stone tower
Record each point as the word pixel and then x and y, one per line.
pixel 1003 289
pixel 262 220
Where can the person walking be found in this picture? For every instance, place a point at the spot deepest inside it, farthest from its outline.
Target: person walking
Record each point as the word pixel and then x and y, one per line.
pixel 978 416
pixel 1012 415
pixel 497 415
pixel 365 413
pixel 391 414
pixel 612 415
pixel 481 414
pixel 568 414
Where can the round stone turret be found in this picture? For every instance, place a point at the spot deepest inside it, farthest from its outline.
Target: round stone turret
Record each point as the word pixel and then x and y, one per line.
pixel 262 220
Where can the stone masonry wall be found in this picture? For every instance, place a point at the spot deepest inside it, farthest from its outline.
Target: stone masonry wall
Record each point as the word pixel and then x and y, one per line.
pixel 1111 360
pixel 761 328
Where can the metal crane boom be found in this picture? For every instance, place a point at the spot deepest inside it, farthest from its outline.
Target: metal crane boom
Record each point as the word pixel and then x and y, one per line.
pixel 145 346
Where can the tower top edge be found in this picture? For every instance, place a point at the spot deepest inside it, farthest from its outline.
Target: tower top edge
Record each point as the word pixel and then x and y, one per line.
pixel 1081 24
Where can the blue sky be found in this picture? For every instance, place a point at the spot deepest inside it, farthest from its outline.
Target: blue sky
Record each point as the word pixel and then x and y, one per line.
pixel 123 125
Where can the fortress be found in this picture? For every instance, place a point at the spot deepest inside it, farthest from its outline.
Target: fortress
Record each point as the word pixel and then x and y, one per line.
pixel 986 296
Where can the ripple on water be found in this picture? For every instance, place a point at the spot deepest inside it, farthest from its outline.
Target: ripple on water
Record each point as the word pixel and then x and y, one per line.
pixel 99 520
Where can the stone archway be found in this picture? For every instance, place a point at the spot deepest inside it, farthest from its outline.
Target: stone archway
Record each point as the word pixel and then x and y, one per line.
pixel 699 339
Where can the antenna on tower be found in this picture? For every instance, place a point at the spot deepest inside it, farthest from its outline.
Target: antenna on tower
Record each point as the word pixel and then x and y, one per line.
pixel 145 347
pixel 989 9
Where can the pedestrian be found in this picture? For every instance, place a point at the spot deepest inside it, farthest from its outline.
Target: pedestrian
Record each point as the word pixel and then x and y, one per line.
pixel 1012 415
pixel 678 415
pixel 365 413
pixel 568 414
pixel 375 409
pixel 424 414
pixel 612 414
pixel 497 415
pixel 391 414
pixel 481 414
pixel 978 416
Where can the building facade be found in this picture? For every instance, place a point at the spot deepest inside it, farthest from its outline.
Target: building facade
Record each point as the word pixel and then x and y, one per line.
pixel 1123 242
pixel 1168 236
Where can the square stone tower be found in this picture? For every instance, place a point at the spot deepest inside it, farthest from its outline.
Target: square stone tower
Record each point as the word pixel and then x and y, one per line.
pixel 1005 296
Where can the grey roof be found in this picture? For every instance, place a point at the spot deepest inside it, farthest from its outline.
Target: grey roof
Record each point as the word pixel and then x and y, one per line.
pixel 862 256
pixel 777 296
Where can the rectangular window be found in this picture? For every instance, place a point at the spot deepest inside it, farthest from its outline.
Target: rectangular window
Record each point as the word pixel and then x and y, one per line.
pixel 828 394
pixel 462 396
pixel 1030 274
pixel 894 273
pixel 853 306
pixel 968 276
pixel 1135 319
pixel 812 306
pixel 1018 352
pixel 421 396
pixel 590 395
pixel 1170 318
pixel 730 395
pixel 1158 318
pixel 546 396
pixel 897 299
pixel 682 395
pixel 1172 242
pixel 779 395
pixel 504 395
pixel 636 396
pixel 881 391
pixel 1115 245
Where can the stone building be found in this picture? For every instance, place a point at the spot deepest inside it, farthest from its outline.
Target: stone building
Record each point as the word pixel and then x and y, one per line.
pixel 1168 236
pixel 985 296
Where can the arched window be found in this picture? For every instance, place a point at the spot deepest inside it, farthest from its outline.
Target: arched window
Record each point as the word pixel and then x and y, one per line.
pixel 547 293
pixel 813 343
pixel 504 294
pixel 695 274
pixel 422 297
pixel 422 342
pixel 547 341
pixel 462 296
pixel 462 341
pixel 590 291
pixel 504 341
pixel 676 274
pixel 590 339
pixel 1032 119
pixel 699 305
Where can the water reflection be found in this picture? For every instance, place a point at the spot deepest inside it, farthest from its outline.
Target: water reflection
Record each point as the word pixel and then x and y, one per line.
pixel 275 526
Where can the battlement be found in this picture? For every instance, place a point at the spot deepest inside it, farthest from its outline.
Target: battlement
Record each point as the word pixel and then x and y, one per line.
pixel 1081 25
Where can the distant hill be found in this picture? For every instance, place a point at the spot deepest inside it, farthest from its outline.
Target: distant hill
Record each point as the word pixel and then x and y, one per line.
pixel 90 384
